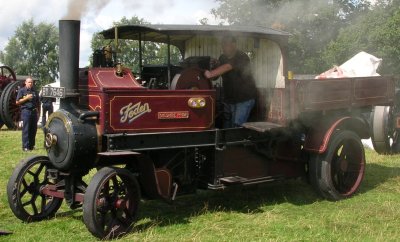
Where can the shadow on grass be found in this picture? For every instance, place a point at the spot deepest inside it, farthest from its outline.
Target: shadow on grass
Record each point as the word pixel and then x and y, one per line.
pixel 248 200
pixel 252 199
pixel 376 174
pixel 255 199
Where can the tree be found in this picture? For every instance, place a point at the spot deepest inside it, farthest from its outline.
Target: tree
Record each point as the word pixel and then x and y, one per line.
pixel 312 23
pixel 128 50
pixel 33 50
pixel 376 33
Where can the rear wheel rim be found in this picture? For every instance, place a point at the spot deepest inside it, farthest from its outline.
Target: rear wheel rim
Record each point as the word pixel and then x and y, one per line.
pixel 347 166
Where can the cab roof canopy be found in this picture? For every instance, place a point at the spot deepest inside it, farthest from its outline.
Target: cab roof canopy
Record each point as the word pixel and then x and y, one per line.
pixel 178 34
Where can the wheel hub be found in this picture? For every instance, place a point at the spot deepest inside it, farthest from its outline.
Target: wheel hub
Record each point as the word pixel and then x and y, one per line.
pixel 344 164
pixel 31 188
pixel 121 204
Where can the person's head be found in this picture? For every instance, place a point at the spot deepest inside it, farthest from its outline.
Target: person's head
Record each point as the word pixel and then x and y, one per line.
pixel 29 82
pixel 228 45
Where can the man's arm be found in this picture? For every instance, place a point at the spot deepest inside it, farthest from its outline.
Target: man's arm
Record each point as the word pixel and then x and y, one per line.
pixel 24 99
pixel 220 70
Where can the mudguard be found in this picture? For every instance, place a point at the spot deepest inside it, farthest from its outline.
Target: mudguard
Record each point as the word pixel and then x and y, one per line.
pixel 318 137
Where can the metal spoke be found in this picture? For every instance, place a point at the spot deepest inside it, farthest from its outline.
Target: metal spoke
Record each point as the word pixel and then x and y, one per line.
pixel 23 182
pixel 102 218
pixel 110 223
pixel 31 173
pixel 353 168
pixel 115 181
pixel 35 210
pixel 26 203
pixel 39 170
pixel 106 189
pixel 43 205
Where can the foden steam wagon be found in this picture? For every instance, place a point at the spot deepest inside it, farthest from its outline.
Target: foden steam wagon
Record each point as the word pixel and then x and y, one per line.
pixel 161 135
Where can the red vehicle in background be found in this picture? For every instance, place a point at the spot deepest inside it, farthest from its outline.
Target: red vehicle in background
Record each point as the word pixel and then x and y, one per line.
pixel 9 85
pixel 161 136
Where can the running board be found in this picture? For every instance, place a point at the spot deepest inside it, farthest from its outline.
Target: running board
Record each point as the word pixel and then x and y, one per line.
pixel 238 180
pixel 261 127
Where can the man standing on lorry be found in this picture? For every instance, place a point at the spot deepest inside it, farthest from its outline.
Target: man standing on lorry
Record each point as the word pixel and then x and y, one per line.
pixel 238 82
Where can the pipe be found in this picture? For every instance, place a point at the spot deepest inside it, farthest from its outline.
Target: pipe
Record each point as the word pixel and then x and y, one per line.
pixel 89 114
pixel 169 60
pixel 116 39
pixel 69 34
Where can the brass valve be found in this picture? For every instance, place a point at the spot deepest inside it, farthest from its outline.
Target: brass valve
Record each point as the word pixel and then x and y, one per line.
pixel 119 70
pixel 50 140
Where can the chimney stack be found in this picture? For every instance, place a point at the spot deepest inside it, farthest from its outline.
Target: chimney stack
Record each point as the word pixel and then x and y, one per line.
pixel 69 34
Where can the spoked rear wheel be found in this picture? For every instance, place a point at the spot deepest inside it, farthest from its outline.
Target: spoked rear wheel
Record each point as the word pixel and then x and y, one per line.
pixel 7 75
pixel 385 137
pixel 23 190
pixel 337 173
pixel 111 203
pixel 9 111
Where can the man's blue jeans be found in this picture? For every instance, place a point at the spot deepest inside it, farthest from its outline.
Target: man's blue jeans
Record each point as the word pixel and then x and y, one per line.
pixel 240 112
pixel 29 128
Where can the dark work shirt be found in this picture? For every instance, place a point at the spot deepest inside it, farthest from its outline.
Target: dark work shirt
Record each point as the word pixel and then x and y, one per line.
pixel 47 100
pixel 239 84
pixel 31 104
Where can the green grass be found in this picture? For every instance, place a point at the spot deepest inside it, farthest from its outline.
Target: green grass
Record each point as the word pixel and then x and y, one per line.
pixel 287 211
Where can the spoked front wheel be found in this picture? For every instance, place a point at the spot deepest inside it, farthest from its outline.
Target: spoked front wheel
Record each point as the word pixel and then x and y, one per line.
pixel 111 203
pixel 23 190
pixel 337 173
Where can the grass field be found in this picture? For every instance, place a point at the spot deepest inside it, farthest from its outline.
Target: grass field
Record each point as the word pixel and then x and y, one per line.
pixel 287 211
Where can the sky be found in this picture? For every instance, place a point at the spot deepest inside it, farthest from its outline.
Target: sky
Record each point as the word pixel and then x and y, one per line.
pixel 100 14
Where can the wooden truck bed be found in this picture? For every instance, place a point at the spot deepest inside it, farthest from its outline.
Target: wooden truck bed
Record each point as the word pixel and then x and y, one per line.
pixel 341 93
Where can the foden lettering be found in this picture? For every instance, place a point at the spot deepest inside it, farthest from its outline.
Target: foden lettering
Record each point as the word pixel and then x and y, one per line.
pixel 131 111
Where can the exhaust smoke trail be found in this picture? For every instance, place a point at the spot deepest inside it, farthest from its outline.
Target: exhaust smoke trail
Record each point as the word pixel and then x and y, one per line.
pixel 78 8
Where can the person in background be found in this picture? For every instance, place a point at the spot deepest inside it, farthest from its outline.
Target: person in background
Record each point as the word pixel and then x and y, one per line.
pixel 47 107
pixel 28 100
pixel 238 82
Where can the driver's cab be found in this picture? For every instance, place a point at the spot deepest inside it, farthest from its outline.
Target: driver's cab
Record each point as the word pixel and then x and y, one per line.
pixel 198 46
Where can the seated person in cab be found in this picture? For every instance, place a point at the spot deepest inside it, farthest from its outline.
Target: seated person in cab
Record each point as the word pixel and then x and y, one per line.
pixel 238 82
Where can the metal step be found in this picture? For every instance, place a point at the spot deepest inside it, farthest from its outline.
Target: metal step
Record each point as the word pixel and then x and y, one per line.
pixel 261 127
pixel 236 180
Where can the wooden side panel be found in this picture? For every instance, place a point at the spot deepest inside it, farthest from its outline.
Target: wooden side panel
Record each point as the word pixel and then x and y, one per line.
pixel 329 94
pixel 373 90
pixel 326 94
pixel 279 107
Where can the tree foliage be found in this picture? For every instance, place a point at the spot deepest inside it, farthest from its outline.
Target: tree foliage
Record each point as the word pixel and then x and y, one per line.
pixel 375 32
pixel 33 50
pixel 312 23
pixel 128 50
